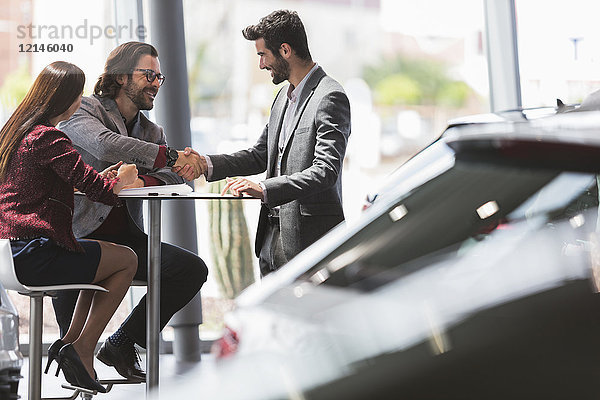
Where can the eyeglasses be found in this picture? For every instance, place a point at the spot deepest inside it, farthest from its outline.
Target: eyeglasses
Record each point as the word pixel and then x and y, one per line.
pixel 151 75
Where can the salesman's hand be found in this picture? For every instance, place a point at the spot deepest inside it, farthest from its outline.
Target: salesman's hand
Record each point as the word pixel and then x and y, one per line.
pixel 189 150
pixel 190 165
pixel 203 163
pixel 239 186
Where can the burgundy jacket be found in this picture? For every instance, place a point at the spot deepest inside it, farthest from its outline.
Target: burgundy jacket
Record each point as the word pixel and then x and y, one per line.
pixel 36 197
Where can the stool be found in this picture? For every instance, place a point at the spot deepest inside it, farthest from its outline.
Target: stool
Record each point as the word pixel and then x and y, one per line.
pixel 9 280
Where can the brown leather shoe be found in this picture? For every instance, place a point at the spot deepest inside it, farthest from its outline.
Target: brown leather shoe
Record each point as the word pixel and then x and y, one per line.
pixel 125 359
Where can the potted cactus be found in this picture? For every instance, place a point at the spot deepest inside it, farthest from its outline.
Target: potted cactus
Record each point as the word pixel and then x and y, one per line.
pixel 229 244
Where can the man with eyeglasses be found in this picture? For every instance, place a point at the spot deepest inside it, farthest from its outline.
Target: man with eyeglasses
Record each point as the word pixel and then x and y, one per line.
pixel 109 128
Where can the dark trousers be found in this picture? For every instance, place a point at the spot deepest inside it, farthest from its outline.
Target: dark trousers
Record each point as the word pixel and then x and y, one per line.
pixel 271 256
pixel 182 276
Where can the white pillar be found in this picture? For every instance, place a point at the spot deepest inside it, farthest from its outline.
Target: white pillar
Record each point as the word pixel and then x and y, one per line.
pixel 502 54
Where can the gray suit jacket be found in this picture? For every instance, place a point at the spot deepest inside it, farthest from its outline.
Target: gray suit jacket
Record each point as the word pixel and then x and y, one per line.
pixel 99 134
pixel 309 189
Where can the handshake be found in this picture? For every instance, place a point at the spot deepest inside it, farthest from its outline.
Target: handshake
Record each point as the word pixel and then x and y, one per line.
pixel 190 165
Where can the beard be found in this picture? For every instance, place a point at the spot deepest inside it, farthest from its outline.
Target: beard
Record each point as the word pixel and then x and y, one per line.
pixel 281 70
pixel 138 95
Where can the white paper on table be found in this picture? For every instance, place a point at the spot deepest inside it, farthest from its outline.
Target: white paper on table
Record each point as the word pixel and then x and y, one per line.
pixel 182 188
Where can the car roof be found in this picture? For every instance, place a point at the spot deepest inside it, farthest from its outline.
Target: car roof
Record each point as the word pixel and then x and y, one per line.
pixel 573 127
pixel 569 141
pixel 517 115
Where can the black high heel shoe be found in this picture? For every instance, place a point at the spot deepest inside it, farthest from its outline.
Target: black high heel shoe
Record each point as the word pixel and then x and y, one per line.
pixel 53 354
pixel 74 370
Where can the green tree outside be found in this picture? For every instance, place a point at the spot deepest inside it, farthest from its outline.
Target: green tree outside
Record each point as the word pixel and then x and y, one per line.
pixel 412 81
pixel 15 87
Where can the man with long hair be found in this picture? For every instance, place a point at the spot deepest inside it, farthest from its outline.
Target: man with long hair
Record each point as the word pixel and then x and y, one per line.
pixel 109 126
pixel 302 147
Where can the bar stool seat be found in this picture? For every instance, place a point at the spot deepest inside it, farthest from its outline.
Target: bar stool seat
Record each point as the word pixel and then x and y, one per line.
pixel 9 280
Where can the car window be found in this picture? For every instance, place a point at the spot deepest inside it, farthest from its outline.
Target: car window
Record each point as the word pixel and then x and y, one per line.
pixel 436 159
pixel 577 191
pixel 442 216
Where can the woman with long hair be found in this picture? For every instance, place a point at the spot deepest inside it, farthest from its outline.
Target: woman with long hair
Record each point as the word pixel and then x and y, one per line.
pixel 39 169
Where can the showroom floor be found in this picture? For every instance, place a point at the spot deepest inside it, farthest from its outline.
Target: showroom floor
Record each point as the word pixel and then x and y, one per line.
pixel 51 385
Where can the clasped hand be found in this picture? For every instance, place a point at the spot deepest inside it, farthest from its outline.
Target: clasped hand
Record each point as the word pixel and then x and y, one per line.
pixel 112 171
pixel 190 165
pixel 127 174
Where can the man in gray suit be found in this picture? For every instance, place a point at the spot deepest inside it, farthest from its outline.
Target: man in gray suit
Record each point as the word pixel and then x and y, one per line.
pixel 302 147
pixel 109 128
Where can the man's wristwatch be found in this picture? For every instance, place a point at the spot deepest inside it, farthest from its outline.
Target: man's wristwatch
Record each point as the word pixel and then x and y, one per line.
pixel 172 156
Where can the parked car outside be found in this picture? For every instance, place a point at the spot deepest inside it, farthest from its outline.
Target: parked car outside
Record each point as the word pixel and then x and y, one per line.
pixel 11 358
pixel 474 275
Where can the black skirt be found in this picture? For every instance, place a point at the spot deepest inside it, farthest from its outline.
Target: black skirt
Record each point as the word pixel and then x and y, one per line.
pixel 41 262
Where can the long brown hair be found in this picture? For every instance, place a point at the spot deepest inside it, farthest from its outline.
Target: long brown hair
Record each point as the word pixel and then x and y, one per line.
pixel 121 61
pixel 53 92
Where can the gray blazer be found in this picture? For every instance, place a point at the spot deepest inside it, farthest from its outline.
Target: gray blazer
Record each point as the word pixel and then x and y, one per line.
pixel 309 190
pixel 98 132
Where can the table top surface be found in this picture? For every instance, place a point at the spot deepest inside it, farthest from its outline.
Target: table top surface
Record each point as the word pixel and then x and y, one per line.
pixel 177 196
pixel 192 195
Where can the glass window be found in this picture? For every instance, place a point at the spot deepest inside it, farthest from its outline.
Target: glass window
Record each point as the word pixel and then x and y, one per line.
pixel 559 54
pixel 35 33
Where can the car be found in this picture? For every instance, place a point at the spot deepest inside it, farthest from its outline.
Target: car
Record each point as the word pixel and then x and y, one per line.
pixel 11 359
pixel 474 275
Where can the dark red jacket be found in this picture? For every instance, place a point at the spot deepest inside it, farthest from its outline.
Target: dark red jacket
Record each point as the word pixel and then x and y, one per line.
pixel 36 197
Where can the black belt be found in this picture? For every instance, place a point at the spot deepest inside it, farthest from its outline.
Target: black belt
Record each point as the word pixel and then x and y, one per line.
pixel 274 214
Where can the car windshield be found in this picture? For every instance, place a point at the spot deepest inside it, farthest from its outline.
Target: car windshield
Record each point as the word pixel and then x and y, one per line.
pixel 439 218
